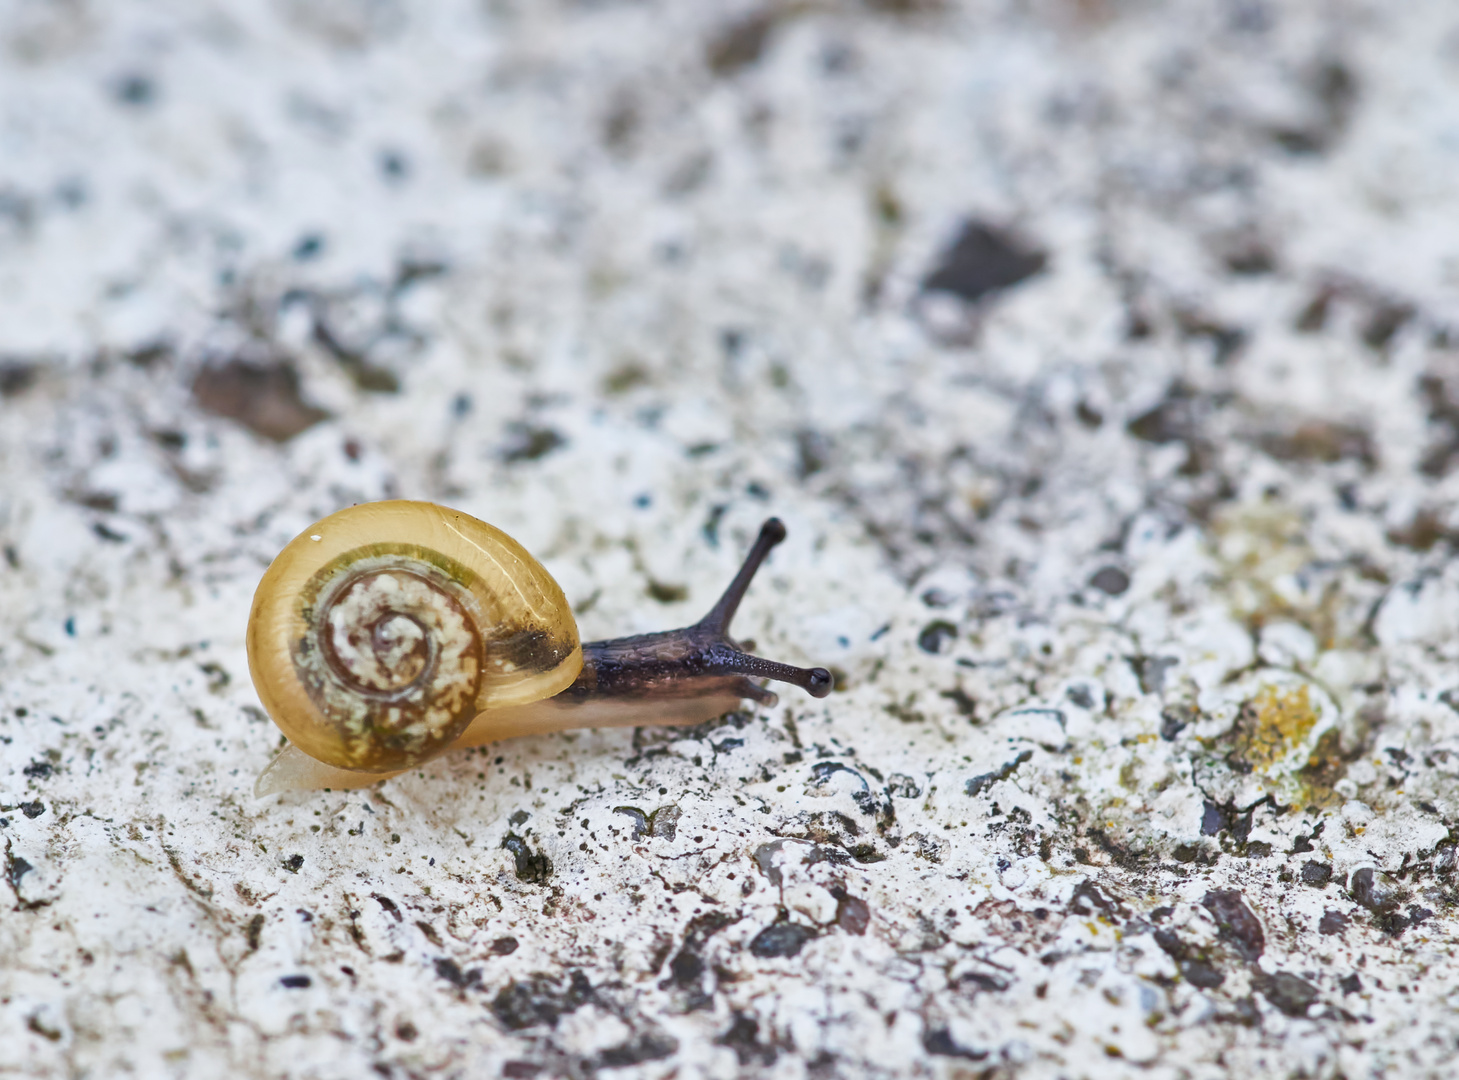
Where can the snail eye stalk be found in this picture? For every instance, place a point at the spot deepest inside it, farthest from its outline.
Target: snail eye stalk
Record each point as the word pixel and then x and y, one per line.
pixel 699 661
pixel 815 681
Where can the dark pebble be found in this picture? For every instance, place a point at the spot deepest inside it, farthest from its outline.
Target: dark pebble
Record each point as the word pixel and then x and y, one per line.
pixel 781 939
pixel 1316 873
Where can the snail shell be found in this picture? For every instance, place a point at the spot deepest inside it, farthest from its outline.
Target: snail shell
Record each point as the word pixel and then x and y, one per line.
pixel 379 633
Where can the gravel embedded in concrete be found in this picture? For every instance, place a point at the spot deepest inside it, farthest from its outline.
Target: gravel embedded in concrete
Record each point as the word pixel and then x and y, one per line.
pixel 1102 359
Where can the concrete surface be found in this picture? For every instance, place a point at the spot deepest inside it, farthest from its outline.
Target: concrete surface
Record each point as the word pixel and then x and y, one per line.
pixel 1102 357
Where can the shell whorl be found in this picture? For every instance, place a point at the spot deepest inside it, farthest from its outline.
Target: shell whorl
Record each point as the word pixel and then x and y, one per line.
pixel 382 631
pixel 392 655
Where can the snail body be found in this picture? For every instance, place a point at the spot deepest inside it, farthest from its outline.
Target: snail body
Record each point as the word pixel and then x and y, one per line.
pixel 388 633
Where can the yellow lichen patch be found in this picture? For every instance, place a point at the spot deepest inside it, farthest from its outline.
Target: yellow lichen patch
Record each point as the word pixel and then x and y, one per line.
pixel 1271 723
pixel 1261 548
pixel 1259 545
pixel 1130 774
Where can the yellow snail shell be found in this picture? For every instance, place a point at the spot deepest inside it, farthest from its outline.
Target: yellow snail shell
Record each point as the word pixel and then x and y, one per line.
pixel 382 631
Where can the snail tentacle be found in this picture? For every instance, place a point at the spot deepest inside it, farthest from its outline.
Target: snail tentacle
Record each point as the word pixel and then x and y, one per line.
pixel 699 659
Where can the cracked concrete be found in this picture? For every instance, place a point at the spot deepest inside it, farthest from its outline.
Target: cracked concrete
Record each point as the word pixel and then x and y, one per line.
pixel 1102 359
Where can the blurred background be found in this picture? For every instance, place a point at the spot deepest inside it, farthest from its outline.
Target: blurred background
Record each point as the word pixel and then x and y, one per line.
pixel 858 256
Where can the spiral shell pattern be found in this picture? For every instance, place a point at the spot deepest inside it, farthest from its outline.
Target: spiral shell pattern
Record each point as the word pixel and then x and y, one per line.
pixel 382 631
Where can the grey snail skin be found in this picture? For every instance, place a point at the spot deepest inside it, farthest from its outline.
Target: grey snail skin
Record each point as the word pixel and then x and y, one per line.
pixel 392 632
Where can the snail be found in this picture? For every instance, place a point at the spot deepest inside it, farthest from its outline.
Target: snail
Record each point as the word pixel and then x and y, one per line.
pixel 389 633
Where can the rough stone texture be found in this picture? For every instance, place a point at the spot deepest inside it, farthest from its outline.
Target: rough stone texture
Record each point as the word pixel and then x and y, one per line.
pixel 1102 357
